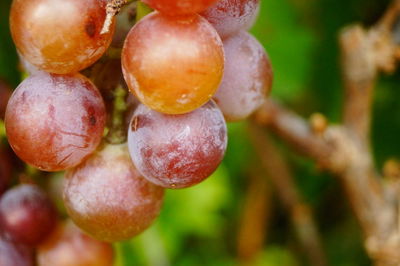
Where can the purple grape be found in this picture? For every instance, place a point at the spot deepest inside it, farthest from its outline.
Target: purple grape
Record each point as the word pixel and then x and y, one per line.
pixel 26 214
pixel 12 254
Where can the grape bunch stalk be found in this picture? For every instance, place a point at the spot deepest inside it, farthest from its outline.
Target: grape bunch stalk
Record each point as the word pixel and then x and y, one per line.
pixel 174 77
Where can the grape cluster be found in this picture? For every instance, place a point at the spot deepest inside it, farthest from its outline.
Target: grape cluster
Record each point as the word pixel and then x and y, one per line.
pixel 189 65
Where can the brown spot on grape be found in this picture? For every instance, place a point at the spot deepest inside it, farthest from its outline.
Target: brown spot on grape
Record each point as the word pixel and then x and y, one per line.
pixel 90 28
pixel 92 120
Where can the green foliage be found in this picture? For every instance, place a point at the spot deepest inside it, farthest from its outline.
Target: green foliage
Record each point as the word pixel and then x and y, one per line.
pixel 199 225
pixel 8 56
pixel 289 44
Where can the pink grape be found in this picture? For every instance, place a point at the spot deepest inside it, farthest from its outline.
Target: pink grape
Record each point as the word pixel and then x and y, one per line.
pixel 69 246
pixel 108 198
pixel 55 121
pixel 247 78
pixel 230 16
pixel 177 151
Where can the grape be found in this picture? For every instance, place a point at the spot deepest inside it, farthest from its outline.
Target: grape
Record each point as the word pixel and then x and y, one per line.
pixel 179 7
pixel 13 254
pixel 5 167
pixel 68 246
pixel 230 16
pixel 5 93
pixel 25 66
pixel 108 198
pixel 173 65
pixel 27 214
pixel 177 151
pixel 60 36
pixel 53 122
pixel 247 77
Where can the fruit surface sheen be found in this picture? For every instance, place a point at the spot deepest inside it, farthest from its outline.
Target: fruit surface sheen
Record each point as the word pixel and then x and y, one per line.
pixel 177 151
pixel 173 65
pixel 54 121
pixel 60 36
pixel 108 198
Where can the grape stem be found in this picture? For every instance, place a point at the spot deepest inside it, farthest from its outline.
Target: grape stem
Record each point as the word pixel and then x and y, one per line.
pixel 117 131
pixel 344 149
pixel 112 9
pixel 279 174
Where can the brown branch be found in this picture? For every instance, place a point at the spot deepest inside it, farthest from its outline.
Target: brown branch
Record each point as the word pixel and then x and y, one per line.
pixel 345 149
pixel 254 219
pixel 278 172
pixel 293 129
pixel 359 74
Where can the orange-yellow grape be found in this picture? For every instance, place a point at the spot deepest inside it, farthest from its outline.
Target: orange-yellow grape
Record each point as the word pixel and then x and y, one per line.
pixel 179 7
pixel 173 65
pixel 60 36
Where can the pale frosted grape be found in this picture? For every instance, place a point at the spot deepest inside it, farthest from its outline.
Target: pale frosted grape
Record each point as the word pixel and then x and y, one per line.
pixel 176 151
pixel 230 16
pixel 108 198
pixel 53 122
pixel 247 77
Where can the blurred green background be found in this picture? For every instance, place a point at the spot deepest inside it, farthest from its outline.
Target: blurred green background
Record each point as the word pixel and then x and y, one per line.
pixel 206 224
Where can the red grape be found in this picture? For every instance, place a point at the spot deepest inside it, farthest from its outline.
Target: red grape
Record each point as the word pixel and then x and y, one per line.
pixel 5 167
pixel 26 214
pixel 230 16
pixel 108 198
pixel 247 77
pixel 173 65
pixel 5 93
pixel 68 246
pixel 177 151
pixel 60 36
pixel 179 7
pixel 13 254
pixel 53 121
